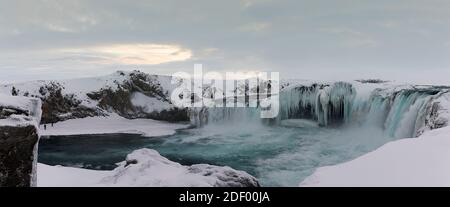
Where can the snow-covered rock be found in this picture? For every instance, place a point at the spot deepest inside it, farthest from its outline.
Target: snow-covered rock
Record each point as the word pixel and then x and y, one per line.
pixel 146 167
pixel 437 113
pixel 19 135
pixel 129 94
pixel 422 161
pixel 19 111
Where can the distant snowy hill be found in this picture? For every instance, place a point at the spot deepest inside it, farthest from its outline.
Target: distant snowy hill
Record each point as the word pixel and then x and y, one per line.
pixel 129 94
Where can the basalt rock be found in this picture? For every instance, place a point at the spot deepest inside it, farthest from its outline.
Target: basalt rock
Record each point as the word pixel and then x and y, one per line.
pixel 58 107
pixel 118 100
pixel 17 147
pixel 19 118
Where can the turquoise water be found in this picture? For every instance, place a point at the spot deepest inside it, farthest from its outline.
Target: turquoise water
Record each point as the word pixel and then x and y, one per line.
pixel 277 156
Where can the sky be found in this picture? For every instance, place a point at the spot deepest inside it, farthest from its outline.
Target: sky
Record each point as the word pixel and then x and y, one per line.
pixel 403 40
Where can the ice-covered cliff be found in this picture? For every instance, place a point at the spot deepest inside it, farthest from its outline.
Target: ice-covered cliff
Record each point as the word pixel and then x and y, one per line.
pixel 400 110
pixel 19 136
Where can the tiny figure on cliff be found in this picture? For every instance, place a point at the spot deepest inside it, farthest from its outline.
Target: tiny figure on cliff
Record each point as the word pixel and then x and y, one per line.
pixel 45 126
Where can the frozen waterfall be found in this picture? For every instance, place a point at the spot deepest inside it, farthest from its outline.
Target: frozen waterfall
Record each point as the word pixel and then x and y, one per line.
pixel 399 111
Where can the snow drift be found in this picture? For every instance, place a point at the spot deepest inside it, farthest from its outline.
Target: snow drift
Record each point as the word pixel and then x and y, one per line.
pixel 422 161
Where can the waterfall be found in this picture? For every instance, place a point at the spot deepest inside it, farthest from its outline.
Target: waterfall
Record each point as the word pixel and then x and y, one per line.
pixel 399 112
pixel 327 104
pixel 407 112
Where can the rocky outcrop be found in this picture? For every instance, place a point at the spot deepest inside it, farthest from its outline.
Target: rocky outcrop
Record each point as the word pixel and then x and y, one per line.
pixel 19 118
pixel 58 107
pixel 17 155
pixel 81 98
pixel 119 99
pixel 437 113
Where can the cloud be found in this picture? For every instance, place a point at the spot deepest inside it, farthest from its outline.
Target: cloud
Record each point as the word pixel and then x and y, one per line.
pixel 352 38
pixel 256 26
pixel 250 3
pixel 390 24
pixel 59 28
pixel 299 38
pixel 132 54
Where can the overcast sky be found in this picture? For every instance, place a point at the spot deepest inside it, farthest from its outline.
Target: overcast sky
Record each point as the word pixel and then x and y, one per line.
pixel 407 40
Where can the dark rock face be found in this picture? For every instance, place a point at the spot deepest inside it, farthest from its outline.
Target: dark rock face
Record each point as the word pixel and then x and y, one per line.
pixel 55 103
pixel 17 147
pixel 371 81
pixel 172 115
pixel 58 105
pixel 5 112
pixel 432 119
pixel 119 100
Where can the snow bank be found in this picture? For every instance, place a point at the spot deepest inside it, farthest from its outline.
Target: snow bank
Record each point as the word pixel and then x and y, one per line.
pixel 146 167
pixel 422 161
pixel 54 176
pixel 149 104
pixel 112 124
